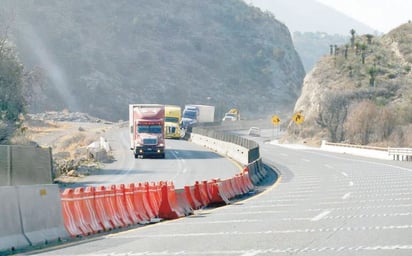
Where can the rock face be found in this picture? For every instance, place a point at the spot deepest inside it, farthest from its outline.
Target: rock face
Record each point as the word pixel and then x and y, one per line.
pixel 97 57
pixel 361 93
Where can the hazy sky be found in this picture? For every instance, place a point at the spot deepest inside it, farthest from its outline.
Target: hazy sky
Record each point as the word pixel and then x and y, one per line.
pixel 382 15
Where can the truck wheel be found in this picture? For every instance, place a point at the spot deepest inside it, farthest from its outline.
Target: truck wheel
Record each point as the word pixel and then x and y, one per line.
pixel 136 156
pixel 162 155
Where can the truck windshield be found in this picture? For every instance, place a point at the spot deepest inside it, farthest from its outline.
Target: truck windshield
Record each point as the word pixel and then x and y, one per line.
pixel 149 129
pixel 190 114
pixel 171 119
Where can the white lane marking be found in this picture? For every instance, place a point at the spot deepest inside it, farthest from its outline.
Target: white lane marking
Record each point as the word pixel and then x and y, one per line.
pixel 283 154
pixel 215 222
pixel 305 160
pixel 320 216
pixel 344 174
pixel 271 251
pixel 252 253
pixel 262 232
pixel 375 215
pixel 350 183
pixel 345 196
pixel 328 166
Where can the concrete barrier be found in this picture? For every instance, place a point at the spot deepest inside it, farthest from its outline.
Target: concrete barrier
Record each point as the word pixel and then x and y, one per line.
pixel 22 158
pixel 30 215
pixel 231 150
pixel 16 161
pixel 5 166
pixel 41 213
pixel 11 231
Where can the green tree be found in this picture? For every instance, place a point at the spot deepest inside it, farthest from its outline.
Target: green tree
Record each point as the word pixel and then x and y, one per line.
pixel 369 38
pixel 11 74
pixel 372 75
pixel 346 51
pixel 363 52
pixel 352 39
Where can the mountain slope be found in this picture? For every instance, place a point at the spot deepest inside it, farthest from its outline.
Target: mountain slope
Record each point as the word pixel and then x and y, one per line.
pixel 97 57
pixel 361 93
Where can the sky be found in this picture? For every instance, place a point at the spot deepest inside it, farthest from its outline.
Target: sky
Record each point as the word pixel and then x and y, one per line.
pixel 382 15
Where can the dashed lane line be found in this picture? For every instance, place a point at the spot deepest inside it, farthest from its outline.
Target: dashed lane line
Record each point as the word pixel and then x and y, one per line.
pixel 320 216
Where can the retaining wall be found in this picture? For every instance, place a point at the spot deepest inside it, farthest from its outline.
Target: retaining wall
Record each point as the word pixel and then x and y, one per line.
pixel 17 168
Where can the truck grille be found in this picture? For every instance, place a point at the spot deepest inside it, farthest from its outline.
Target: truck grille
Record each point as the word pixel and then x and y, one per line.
pixel 150 141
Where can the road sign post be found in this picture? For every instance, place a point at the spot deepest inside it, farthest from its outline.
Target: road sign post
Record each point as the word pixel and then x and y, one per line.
pixel 275 122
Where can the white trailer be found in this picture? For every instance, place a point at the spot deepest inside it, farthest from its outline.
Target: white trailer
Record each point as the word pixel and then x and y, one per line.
pixel 206 114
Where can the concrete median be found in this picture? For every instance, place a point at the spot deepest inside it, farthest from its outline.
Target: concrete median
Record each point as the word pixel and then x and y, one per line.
pixel 41 213
pixel 11 232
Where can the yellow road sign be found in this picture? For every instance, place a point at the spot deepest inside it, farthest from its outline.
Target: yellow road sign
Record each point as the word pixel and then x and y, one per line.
pixel 275 120
pixel 298 118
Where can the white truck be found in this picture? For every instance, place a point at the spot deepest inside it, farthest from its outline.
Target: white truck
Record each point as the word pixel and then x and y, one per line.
pixel 194 114
pixel 232 115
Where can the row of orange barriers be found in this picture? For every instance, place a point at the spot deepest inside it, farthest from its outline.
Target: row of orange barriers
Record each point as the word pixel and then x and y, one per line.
pixel 90 210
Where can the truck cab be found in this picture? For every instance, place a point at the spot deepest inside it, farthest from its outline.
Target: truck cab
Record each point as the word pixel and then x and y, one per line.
pixel 173 118
pixel 232 115
pixel 190 115
pixel 147 130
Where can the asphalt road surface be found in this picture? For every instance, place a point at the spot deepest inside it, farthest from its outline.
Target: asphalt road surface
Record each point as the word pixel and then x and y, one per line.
pixel 184 164
pixel 322 204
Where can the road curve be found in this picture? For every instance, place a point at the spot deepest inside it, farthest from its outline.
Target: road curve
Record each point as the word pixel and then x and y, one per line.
pixel 323 204
pixel 185 163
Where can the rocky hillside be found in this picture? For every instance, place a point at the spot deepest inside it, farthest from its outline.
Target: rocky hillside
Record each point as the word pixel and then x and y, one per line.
pixel 361 93
pixel 99 56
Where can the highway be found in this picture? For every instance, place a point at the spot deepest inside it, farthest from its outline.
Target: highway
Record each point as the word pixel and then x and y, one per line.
pixel 322 204
pixel 185 163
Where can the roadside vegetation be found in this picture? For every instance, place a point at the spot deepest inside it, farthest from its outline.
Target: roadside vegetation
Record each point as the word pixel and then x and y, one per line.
pixel 12 103
pixel 366 91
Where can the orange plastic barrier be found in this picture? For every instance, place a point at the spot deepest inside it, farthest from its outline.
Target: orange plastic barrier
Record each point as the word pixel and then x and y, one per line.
pixel 205 185
pixel 70 222
pixel 169 209
pixel 183 202
pixel 153 198
pixel 248 181
pixel 240 184
pixel 141 202
pixel 218 195
pixel 200 194
pixel 132 209
pixel 80 213
pixel 190 196
pixel 109 205
pixel 173 199
pixel 235 187
pixel 89 209
pixel 228 189
pixel 120 204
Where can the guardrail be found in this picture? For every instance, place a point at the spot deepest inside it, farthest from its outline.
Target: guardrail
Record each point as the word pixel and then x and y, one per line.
pixel 399 154
pixel 355 146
